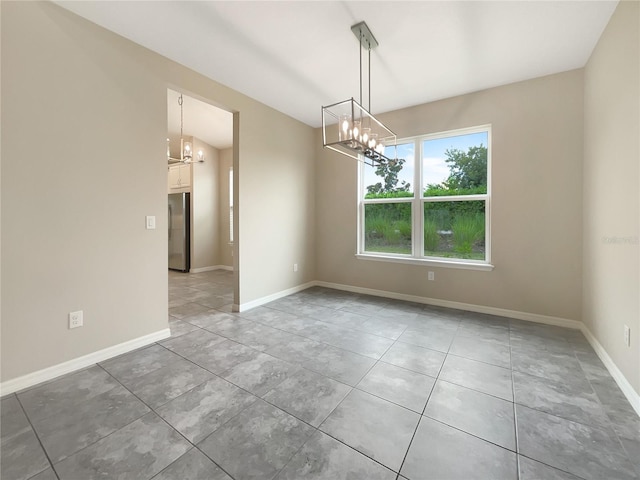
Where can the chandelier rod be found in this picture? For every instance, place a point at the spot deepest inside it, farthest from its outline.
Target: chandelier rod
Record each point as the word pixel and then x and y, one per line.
pixel 181 119
pixel 360 51
pixel 369 70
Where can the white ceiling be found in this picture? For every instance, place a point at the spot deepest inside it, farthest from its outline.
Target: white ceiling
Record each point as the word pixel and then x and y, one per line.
pixel 202 120
pixel 296 56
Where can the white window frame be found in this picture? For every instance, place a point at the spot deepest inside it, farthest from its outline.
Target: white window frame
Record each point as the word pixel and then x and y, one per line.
pixel 418 200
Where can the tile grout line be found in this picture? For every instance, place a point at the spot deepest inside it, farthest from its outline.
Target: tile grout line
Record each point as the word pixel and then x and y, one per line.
pixel 601 403
pixel 516 404
pixel 33 429
pixel 513 406
pixel 404 459
pixel 153 410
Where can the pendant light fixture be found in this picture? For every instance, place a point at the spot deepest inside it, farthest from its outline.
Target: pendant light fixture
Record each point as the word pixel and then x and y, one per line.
pixel 349 128
pixel 186 148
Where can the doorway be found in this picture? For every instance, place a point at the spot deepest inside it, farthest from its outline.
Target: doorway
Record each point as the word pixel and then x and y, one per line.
pixel 200 146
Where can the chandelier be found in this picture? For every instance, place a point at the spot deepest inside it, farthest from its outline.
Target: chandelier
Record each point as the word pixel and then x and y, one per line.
pixel 350 129
pixel 186 147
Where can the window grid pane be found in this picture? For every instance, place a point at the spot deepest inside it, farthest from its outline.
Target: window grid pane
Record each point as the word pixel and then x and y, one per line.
pixel 388 227
pixel 455 229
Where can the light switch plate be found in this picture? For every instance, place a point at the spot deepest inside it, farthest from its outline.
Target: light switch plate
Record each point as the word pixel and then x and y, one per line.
pixel 151 222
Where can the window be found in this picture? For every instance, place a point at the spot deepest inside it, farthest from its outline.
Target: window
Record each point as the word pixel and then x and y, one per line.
pixel 432 205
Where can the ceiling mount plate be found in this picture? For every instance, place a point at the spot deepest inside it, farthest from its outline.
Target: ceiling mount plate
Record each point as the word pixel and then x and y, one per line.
pixel 364 35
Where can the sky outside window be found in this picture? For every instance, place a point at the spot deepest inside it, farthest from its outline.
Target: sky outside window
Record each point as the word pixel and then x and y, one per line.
pixel 435 168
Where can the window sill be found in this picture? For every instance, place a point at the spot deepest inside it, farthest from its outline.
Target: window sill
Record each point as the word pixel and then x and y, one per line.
pixel 486 267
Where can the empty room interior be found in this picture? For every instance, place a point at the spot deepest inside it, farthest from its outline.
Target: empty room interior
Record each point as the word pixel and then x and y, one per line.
pixel 320 240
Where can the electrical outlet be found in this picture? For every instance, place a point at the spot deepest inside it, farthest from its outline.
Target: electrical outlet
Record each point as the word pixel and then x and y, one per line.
pixel 75 319
pixel 431 276
pixel 627 336
pixel 295 267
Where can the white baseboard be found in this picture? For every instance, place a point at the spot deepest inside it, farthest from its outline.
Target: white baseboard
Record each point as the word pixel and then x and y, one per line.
pixel 34 378
pixel 210 269
pixel 243 307
pixel 501 312
pixel 623 383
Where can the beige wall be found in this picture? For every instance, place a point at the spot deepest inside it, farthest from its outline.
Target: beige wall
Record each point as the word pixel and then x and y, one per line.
pixel 84 116
pixel 205 228
pixel 536 214
pixel 611 293
pixel 226 163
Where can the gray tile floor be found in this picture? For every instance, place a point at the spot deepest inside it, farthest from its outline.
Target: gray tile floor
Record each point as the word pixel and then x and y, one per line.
pixel 325 384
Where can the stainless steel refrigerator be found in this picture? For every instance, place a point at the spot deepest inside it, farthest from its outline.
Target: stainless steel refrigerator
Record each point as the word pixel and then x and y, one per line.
pixel 179 232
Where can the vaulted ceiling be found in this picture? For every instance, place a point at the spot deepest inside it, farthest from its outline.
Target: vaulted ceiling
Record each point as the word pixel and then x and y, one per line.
pixel 296 56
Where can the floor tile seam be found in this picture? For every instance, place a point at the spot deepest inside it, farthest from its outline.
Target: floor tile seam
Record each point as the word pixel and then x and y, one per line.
pixel 407 369
pixel 241 343
pixel 474 389
pixel 547 379
pixel 329 344
pixel 358 451
pixel 197 445
pixel 591 426
pixel 392 402
pixel 482 340
pixel 53 414
pixel 109 434
pixel 135 350
pixel 515 452
pixel 315 430
pixel 329 324
pixel 258 398
pixel 440 369
pixel 351 330
pixel 600 402
pixel 550 466
pixel 301 419
pixel 284 341
pixel 457 355
pixel 538 350
pixel 153 410
pixel 226 372
pixel 511 368
pixel 218 375
pixel 208 307
pixel 325 375
pixel 33 429
pixel 421 346
pixel 515 421
pixel 245 407
pixel 611 423
pixel 373 366
pixel 415 431
pixel 155 369
pixel 357 330
pixel 119 384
